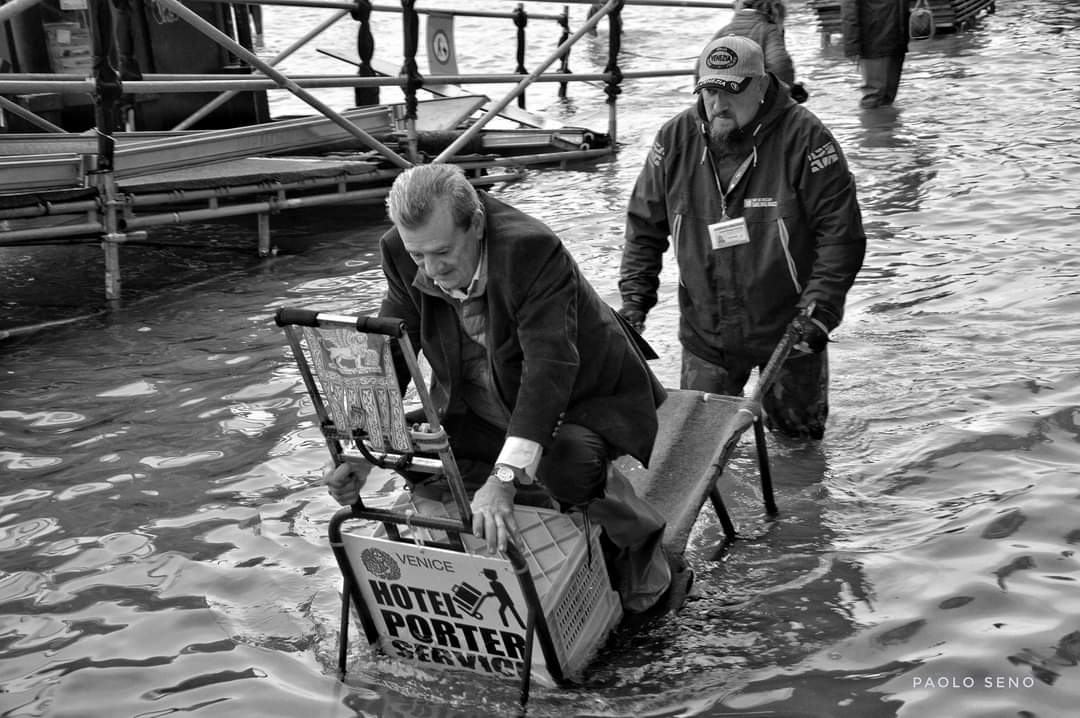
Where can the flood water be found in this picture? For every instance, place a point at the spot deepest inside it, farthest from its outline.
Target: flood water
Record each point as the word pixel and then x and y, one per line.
pixel 162 529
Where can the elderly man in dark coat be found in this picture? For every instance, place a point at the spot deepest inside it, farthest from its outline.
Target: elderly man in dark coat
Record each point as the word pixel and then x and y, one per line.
pixel 533 373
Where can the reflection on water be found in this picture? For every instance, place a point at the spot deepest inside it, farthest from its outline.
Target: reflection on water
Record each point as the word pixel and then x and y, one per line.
pixel 162 531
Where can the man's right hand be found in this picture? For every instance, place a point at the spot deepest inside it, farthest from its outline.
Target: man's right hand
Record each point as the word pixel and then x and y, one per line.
pixel 345 481
pixel 634 317
pixel 493 513
pixel 811 336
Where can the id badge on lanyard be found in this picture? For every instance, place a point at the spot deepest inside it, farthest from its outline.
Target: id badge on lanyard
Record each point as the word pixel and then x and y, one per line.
pixel 729 232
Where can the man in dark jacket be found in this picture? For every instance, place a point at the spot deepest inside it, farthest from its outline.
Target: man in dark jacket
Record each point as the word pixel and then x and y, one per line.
pixel 876 35
pixel 533 374
pixel 756 197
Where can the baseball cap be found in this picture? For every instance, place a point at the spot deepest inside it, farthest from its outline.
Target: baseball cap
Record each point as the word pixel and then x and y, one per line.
pixel 726 62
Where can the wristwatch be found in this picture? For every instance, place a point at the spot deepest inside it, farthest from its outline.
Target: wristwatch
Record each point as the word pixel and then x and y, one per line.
pixel 509 474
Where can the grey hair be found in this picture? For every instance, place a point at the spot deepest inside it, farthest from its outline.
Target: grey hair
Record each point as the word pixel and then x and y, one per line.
pixel 419 191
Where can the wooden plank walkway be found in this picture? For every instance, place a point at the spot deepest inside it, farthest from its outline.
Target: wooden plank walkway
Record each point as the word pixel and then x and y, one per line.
pixel 52 161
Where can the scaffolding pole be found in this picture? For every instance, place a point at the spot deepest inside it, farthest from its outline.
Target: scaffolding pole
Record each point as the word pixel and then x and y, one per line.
pixel 226 96
pixel 249 57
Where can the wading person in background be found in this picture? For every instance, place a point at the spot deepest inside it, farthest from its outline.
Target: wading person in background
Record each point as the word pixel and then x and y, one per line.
pixel 763 22
pixel 535 376
pixel 876 36
pixel 756 197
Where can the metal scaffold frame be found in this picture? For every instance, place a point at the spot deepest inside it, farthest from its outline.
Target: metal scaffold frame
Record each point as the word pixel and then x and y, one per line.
pixel 74 191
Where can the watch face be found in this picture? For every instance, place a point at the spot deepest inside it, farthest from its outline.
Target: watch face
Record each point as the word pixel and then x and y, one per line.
pixel 504 473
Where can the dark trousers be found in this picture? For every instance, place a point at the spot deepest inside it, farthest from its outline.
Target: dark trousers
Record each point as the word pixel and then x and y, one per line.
pixel 797 404
pixel 881 80
pixel 576 473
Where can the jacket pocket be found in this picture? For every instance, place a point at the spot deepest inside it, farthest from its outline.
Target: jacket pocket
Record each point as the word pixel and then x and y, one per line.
pixel 785 245
pixel 770 224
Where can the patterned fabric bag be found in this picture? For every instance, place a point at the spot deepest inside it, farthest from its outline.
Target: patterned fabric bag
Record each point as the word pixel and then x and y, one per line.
pixel 921 22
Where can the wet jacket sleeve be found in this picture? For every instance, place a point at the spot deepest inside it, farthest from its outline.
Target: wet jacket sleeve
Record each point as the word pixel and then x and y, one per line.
pixel 647 229
pixel 827 189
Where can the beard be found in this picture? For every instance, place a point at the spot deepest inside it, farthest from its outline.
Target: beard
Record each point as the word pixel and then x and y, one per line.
pixel 726 138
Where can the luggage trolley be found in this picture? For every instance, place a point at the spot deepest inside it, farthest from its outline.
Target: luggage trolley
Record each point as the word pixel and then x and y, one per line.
pixel 699 434
pixel 425 589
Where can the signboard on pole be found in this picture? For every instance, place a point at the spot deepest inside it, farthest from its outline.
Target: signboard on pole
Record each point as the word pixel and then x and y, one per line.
pixel 441 51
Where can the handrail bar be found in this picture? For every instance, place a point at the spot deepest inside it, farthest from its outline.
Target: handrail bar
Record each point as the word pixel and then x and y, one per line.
pixel 340 5
pixel 199 84
pixel 649 3
pixel 461 13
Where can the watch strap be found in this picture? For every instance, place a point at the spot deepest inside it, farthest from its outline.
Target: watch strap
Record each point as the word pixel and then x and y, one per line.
pixel 520 477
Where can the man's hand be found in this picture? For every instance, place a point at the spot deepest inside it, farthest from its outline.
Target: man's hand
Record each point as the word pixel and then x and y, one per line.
pixel 811 336
pixel 634 317
pixel 345 481
pixel 493 513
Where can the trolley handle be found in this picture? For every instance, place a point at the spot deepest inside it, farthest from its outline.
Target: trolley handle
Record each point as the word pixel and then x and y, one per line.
pixel 389 326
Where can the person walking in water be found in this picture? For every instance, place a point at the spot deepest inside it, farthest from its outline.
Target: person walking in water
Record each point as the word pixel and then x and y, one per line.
pixel 763 22
pixel 755 195
pixel 876 36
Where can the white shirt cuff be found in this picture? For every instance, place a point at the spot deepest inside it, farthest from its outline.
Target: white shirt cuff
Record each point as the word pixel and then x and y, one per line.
pixel 521 454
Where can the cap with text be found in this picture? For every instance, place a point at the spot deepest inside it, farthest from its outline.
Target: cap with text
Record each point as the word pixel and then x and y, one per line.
pixel 728 61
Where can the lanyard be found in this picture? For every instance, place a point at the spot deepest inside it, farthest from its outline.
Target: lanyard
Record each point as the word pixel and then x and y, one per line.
pixel 734 180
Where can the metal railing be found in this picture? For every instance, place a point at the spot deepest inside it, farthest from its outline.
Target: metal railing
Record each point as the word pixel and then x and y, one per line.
pixel 113 219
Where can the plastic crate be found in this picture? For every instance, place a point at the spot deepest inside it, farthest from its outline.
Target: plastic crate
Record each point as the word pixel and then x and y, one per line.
pixel 567 568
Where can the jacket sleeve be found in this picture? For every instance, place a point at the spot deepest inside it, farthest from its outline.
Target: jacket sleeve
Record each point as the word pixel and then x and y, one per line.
pixel 547 330
pixel 829 200
pixel 398 302
pixel 647 230
pixel 849 26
